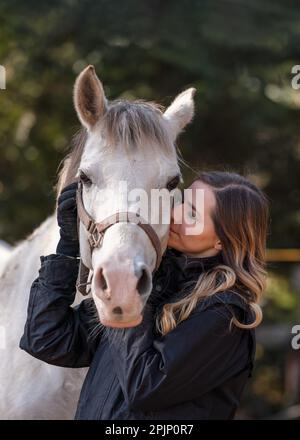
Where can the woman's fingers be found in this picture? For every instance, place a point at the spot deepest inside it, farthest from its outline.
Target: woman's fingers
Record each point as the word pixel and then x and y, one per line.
pixel 68 203
pixel 66 194
pixel 72 185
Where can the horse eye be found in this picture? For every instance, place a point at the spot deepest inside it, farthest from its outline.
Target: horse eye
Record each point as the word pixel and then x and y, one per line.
pixel 84 178
pixel 173 183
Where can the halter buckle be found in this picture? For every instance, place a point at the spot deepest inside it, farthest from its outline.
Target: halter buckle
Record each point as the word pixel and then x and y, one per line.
pixel 91 227
pixel 95 239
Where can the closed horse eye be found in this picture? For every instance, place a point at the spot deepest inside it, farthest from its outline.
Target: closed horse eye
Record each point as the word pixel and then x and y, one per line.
pixel 84 178
pixel 173 183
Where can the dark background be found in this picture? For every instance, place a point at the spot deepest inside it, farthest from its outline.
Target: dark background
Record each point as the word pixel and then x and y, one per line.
pixel 238 54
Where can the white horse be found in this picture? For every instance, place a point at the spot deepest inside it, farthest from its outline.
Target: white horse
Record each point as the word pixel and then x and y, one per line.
pixel 29 388
pixel 5 251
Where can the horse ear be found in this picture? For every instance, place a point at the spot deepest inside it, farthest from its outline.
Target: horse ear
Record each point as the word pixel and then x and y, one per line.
pixel 89 98
pixel 181 111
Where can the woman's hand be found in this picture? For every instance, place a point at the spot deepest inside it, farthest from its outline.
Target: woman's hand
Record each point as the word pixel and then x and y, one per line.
pixel 67 221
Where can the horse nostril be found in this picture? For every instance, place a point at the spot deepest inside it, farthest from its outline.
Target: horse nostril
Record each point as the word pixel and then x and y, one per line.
pixel 143 284
pixel 101 284
pixel 117 310
pixel 101 280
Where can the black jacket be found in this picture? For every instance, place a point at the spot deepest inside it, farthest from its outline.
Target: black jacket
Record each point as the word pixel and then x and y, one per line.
pixel 197 371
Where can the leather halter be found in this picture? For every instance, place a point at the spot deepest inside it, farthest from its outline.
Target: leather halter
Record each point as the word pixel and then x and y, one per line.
pixel 97 231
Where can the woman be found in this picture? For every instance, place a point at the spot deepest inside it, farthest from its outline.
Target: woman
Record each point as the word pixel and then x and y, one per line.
pixel 191 356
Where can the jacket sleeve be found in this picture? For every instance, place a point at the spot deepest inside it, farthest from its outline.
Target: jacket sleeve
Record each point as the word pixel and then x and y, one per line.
pixel 195 357
pixel 54 331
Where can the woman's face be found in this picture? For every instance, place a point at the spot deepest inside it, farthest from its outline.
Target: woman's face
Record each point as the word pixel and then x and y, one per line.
pixel 205 243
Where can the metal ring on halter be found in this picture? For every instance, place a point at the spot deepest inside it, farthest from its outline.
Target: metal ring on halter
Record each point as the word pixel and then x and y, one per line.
pixel 80 285
pixel 95 239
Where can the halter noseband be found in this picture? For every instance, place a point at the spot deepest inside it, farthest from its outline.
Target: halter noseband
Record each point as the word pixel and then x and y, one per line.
pixel 97 231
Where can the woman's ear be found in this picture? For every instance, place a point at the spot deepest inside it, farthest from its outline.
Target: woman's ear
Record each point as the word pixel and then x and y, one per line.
pixel 218 245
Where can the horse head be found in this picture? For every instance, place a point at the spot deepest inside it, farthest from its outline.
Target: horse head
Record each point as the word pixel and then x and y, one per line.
pixel 133 143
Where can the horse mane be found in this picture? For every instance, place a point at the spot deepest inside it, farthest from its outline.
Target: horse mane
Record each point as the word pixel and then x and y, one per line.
pixel 134 124
pixel 67 168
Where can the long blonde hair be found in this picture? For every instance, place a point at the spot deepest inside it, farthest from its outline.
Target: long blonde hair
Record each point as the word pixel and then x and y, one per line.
pixel 240 219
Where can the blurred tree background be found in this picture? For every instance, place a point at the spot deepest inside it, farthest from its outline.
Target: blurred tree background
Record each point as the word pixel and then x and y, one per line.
pixel 237 53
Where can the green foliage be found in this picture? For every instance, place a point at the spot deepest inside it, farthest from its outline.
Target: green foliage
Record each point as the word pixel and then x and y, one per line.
pixel 281 301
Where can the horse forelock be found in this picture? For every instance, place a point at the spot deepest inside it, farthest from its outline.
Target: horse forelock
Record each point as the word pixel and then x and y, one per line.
pixel 133 124
pixel 136 124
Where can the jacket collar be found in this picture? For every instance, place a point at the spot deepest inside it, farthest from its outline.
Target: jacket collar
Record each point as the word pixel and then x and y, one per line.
pixel 181 267
pixel 188 264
